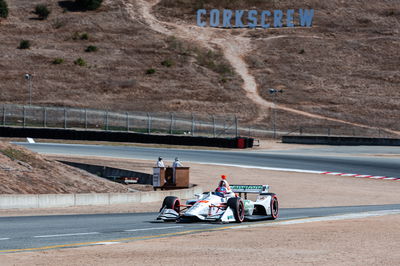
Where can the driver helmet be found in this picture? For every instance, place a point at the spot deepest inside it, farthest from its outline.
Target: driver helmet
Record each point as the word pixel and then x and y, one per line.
pixel 221 191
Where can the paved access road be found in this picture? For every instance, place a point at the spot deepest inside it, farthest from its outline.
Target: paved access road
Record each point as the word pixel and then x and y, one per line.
pixel 44 232
pixel 313 159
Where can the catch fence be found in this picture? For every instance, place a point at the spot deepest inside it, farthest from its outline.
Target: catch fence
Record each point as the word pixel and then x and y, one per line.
pixel 192 124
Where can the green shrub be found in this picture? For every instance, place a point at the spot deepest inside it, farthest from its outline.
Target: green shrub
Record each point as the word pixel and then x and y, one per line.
pixel 59 23
pixel 42 11
pixel 3 9
pixel 58 61
pixel 78 36
pixel 24 44
pixel 150 71
pixel 84 36
pixel 88 4
pixel 80 62
pixel 167 63
pixel 91 48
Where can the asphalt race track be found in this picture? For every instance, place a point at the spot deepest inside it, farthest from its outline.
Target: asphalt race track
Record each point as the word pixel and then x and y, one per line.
pixel 314 160
pixel 44 232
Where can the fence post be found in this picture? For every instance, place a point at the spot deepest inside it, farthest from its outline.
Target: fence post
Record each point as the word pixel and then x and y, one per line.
pixel 86 119
pixel 301 131
pixel 379 132
pixel 236 126
pixel 148 123
pixel 106 120
pixel 329 131
pixel 192 124
pixel 127 121
pixel 24 116
pixel 44 116
pixel 4 115
pixel 214 132
pixel 65 118
pixel 172 124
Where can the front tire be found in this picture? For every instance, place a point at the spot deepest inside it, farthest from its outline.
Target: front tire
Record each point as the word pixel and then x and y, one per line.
pixel 237 206
pixel 171 202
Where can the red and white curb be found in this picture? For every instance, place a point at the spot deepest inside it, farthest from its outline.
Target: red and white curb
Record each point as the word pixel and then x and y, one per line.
pixel 307 171
pixel 362 176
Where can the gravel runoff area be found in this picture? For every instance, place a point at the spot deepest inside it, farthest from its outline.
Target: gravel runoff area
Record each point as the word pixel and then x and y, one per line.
pixel 368 241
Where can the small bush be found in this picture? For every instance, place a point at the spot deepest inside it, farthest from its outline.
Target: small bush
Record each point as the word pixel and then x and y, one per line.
pixel 59 23
pixel 42 11
pixel 80 62
pixel 78 36
pixel 84 36
pixel 58 61
pixel 91 48
pixel 24 44
pixel 167 63
pixel 150 71
pixel 88 4
pixel 3 9
pixel 302 51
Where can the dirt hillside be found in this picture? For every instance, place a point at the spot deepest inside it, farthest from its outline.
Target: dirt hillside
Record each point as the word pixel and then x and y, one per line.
pixel 342 72
pixel 25 172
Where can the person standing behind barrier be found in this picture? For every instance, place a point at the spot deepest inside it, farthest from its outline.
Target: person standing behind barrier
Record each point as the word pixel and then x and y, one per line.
pixel 177 163
pixel 160 163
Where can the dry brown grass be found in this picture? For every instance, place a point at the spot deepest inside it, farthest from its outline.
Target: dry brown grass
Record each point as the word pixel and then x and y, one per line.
pixel 25 172
pixel 114 77
pixel 345 67
pixel 349 69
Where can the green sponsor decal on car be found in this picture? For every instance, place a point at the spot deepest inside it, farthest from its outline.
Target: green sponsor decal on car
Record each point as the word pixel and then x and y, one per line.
pixel 249 188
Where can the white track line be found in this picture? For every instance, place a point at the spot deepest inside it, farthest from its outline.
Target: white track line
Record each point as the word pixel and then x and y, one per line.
pixel 105 243
pixel 73 234
pixel 5 238
pixel 349 216
pixel 305 171
pixel 153 228
pixel 266 168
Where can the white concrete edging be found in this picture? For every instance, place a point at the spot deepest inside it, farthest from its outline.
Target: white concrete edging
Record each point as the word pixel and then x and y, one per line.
pixel 31 201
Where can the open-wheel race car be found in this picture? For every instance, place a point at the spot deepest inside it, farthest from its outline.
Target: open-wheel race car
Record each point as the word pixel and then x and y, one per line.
pixel 214 207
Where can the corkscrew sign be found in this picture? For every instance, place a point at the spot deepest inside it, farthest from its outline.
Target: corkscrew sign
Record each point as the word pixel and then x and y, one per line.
pixel 255 19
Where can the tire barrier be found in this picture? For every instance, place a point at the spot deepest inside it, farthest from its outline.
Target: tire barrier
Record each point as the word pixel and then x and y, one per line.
pixel 350 141
pixel 93 135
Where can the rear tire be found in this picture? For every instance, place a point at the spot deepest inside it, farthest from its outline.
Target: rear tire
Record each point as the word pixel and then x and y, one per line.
pixel 237 206
pixel 171 202
pixel 274 206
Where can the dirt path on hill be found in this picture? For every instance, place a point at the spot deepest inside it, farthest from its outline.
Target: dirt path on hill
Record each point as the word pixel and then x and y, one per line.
pixel 235 48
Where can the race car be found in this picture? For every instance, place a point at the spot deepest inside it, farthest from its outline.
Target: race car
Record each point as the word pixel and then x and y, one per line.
pixel 216 207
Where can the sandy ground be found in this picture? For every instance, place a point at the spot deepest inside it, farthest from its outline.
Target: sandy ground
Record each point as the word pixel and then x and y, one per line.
pixel 372 241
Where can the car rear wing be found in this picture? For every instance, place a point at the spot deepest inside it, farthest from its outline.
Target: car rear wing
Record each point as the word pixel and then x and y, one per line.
pixel 252 189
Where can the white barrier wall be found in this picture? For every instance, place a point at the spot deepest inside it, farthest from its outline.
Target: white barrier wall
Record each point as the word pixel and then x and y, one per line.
pixel 29 201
